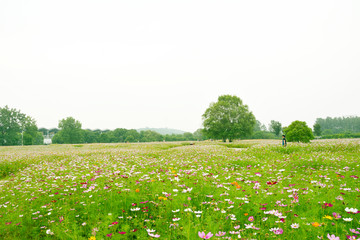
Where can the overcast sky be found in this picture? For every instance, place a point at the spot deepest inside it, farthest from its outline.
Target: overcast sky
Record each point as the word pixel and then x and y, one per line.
pixel 134 64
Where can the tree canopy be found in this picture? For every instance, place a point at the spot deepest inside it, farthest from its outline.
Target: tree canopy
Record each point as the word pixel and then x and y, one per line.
pixel 228 118
pixel 17 128
pixel 70 132
pixel 275 127
pixel 298 131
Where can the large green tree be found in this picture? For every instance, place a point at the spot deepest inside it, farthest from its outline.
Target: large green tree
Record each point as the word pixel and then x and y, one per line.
pixel 228 118
pixel 17 129
pixel 275 127
pixel 298 131
pixel 10 126
pixel 70 132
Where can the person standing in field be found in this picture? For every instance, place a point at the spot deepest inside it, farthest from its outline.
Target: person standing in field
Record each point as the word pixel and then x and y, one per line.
pixel 284 143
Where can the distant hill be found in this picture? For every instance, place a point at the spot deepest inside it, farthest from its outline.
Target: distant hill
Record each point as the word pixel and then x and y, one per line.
pixel 162 131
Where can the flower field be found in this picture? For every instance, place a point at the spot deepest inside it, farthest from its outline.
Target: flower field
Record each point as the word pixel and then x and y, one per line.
pixel 209 190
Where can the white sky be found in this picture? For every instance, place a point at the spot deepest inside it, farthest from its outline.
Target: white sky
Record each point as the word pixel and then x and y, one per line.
pixel 133 64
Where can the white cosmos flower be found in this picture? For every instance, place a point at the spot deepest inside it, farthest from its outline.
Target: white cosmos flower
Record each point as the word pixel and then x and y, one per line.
pixel 347 219
pixel 49 232
pixel 295 225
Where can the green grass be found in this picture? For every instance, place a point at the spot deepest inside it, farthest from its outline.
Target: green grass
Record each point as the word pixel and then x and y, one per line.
pixel 79 191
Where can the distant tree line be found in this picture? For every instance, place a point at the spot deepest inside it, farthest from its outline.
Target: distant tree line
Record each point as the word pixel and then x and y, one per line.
pixel 337 125
pixel 226 119
pixel 70 131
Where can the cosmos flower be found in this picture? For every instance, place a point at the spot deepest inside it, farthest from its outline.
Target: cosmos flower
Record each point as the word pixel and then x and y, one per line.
pixel 205 236
pixel 220 234
pixel 295 225
pixel 332 237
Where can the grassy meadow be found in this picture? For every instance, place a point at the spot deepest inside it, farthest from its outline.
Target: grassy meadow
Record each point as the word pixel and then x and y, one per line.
pixel 210 190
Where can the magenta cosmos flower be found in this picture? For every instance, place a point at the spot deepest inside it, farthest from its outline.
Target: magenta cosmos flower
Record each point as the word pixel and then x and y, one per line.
pixel 203 236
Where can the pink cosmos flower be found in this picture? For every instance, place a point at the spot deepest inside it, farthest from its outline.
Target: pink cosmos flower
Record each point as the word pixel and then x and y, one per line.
pixel 109 235
pixel 251 218
pixel 154 235
pixel 203 236
pixel 336 215
pixel 333 237
pixel 220 234
pixel 354 231
pixel 61 219
pixel 122 232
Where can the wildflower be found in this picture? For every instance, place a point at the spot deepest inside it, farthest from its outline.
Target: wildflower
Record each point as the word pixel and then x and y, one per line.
pixel 203 236
pixel 176 219
pixel 122 232
pixel 332 237
pixel 295 225
pixel 49 232
pixel 150 230
pixel 114 223
pixel 347 219
pixel 109 235
pixel 61 218
pixel 154 235
pixel 336 215
pixel 354 231
pixel 248 225
pixel 251 218
pixel 327 205
pixel 174 225
pixel 328 217
pixel 137 190
pixel 277 231
pixel 84 223
pixel 316 224
pixel 92 238
pixel 220 234
pixel 351 210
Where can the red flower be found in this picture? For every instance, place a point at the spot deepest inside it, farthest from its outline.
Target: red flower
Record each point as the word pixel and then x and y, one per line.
pixel 122 232
pixel 271 182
